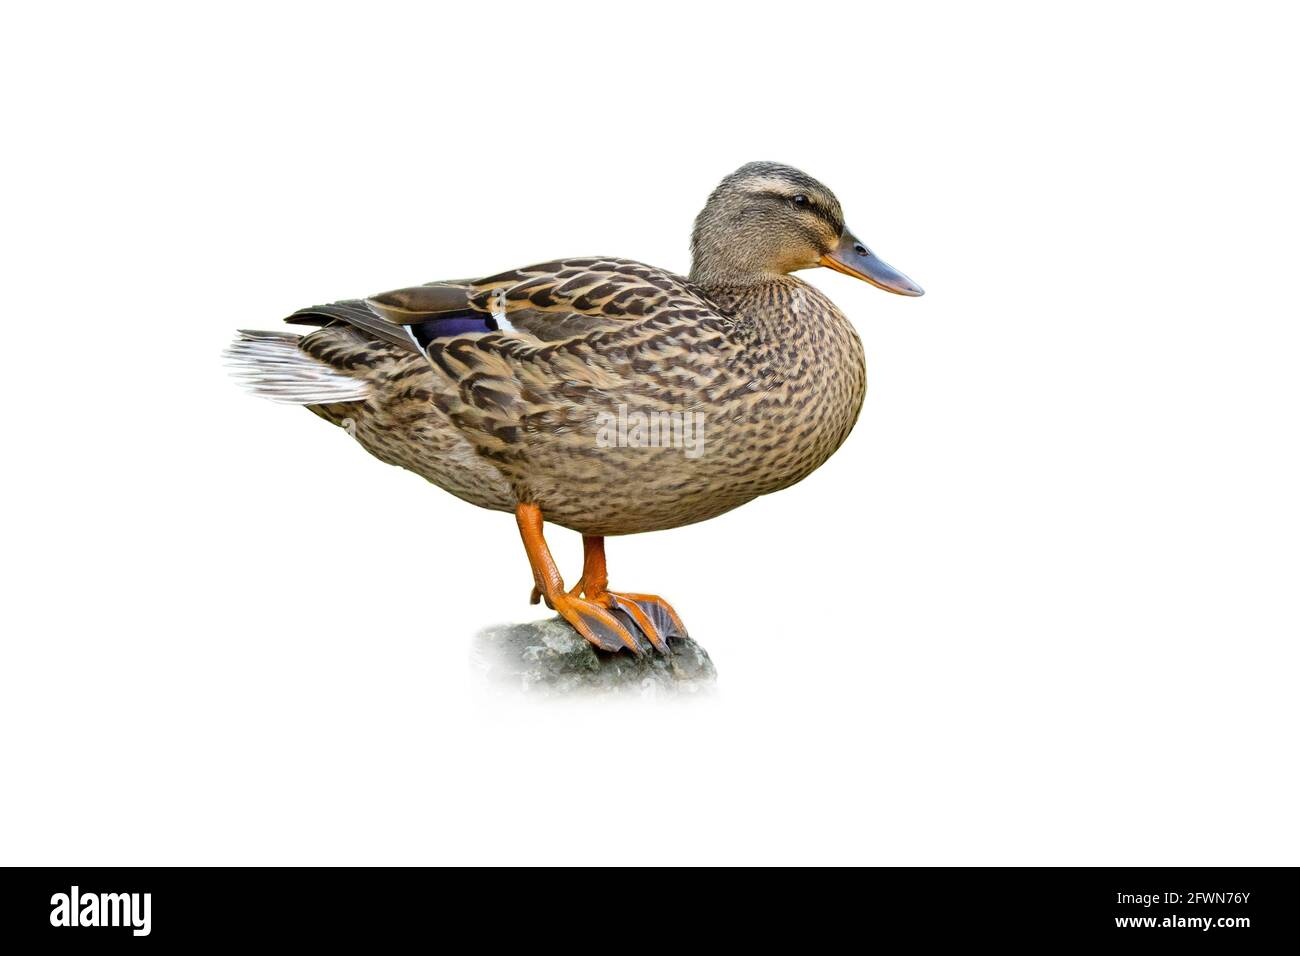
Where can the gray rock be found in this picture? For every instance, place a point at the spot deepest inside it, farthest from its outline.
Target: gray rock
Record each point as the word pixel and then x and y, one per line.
pixel 550 658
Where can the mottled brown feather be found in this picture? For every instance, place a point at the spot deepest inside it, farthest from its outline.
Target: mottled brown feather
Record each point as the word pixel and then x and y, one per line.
pixel 501 417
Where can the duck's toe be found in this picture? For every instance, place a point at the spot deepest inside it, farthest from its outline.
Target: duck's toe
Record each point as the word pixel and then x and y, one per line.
pixel 597 624
pixel 653 616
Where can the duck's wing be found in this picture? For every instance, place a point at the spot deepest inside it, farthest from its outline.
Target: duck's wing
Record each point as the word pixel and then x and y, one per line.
pixel 551 302
pixel 522 358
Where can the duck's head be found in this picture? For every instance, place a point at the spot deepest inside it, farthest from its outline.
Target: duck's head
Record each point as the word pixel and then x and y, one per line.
pixel 766 220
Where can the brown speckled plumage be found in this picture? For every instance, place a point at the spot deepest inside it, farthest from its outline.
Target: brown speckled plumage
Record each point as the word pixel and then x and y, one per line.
pixel 775 368
pixel 501 390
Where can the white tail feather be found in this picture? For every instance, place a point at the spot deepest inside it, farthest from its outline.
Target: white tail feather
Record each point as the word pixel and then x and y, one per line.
pixel 271 365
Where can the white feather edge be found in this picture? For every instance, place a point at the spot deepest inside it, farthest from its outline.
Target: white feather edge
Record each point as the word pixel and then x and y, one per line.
pixel 499 311
pixel 271 366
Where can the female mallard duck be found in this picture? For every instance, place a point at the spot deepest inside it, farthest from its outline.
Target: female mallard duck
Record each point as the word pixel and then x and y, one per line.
pixel 602 394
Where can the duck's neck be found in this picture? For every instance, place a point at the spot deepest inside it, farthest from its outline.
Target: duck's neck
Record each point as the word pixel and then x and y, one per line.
pixel 778 308
pixel 711 271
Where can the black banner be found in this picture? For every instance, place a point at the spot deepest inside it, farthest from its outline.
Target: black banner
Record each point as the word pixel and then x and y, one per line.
pixel 1225 908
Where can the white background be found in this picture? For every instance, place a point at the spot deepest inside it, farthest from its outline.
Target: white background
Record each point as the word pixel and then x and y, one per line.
pixel 1040 608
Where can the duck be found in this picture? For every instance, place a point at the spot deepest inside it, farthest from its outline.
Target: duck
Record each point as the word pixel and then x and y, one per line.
pixel 601 394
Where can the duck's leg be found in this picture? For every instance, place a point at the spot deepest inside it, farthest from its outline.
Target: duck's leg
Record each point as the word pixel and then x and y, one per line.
pixel 653 615
pixel 589 618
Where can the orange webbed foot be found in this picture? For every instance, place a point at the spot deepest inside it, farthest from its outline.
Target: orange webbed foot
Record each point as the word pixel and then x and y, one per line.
pixel 611 620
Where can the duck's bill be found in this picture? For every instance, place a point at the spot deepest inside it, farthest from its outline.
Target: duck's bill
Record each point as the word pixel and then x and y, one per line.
pixel 853 258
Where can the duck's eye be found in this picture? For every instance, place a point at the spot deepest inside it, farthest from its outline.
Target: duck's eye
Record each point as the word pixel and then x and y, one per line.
pixel 800 200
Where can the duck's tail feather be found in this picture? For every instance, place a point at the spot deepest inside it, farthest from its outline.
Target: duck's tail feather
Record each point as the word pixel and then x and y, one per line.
pixel 271 364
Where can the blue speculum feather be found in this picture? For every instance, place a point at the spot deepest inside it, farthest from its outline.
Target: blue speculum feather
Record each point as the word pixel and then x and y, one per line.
pixel 445 327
